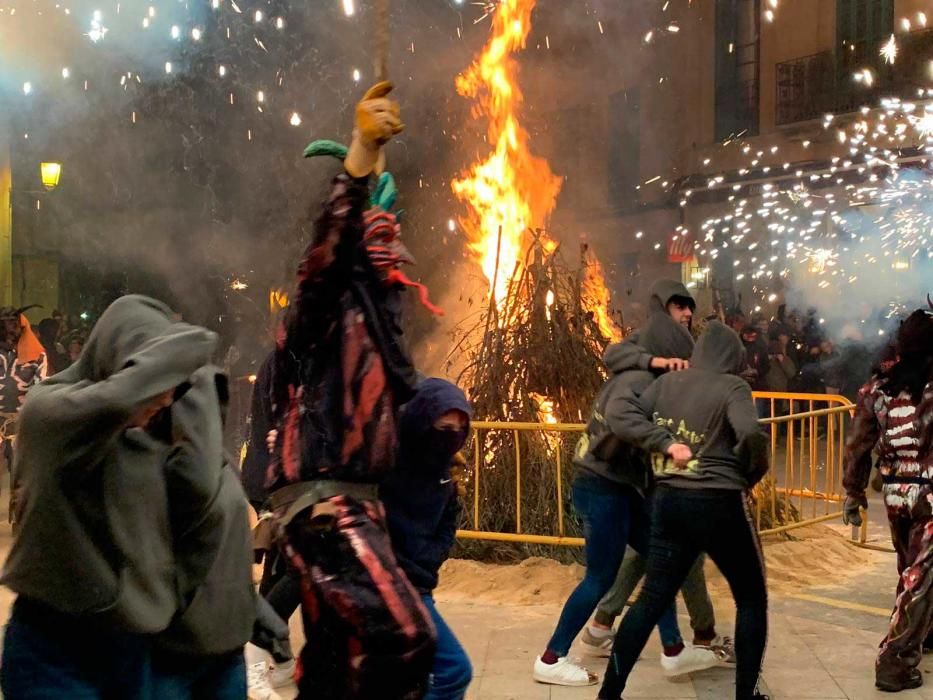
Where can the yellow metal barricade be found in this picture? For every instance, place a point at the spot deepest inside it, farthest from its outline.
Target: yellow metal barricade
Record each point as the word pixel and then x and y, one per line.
pixel 807 434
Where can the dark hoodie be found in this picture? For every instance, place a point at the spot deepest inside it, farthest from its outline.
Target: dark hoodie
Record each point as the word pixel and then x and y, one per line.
pixel 261 421
pixel 632 354
pixel 705 407
pixel 210 528
pixel 422 507
pixel 94 530
pixel 601 450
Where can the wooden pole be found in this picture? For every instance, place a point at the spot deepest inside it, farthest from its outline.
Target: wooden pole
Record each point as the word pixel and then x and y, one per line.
pixel 381 59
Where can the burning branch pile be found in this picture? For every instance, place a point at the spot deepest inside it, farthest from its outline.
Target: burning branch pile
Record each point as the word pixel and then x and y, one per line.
pixel 535 354
pixel 541 347
pixel 533 358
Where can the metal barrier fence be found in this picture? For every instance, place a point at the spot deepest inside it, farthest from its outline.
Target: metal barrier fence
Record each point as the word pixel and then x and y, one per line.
pixel 510 500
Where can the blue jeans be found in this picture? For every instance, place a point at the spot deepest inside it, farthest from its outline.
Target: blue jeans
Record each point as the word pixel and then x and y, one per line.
pixel 49 656
pixel 452 671
pixel 614 516
pixel 220 677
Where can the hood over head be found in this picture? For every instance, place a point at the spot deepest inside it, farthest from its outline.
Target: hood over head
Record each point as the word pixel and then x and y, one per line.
pixel 662 336
pixel 422 448
pixel 663 291
pixel 719 350
pixel 127 324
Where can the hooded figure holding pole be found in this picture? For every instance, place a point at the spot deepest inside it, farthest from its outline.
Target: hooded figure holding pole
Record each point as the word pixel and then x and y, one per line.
pixel 341 372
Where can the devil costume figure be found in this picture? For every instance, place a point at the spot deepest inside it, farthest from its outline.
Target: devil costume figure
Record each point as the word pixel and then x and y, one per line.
pixel 894 415
pixel 340 375
pixel 23 361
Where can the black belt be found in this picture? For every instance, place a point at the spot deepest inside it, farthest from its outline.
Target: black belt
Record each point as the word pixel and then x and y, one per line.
pixel 920 480
pixel 289 501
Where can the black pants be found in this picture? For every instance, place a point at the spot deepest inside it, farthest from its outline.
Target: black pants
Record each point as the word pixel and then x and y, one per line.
pixel 281 587
pixel 684 523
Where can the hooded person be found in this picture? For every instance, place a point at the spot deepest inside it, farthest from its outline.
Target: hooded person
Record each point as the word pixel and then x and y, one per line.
pixel 667 297
pixel 609 492
pixel 200 655
pixel 341 373
pixel 423 510
pixel 92 564
pixel 707 450
pixel 894 416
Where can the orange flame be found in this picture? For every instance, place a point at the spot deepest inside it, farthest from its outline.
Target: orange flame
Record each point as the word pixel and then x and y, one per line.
pixel 597 299
pixel 510 189
pixel 547 414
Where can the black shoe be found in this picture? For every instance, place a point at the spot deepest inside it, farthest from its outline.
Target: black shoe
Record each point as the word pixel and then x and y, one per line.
pixel 759 696
pixel 895 684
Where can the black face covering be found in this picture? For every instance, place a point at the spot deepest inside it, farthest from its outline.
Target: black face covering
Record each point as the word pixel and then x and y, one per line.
pixel 441 444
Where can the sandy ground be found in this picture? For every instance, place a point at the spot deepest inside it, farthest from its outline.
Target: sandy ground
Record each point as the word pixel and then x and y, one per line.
pixel 814 555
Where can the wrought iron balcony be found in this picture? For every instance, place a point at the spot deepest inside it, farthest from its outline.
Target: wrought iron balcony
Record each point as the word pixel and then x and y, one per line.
pixel 812 86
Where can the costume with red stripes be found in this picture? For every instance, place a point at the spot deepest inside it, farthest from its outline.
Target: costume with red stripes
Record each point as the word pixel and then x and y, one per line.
pixel 897 422
pixel 340 374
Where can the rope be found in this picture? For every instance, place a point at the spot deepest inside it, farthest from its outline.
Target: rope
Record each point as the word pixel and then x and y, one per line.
pixel 381 59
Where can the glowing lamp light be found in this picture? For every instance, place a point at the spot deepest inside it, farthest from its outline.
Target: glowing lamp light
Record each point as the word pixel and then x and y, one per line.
pixel 51 172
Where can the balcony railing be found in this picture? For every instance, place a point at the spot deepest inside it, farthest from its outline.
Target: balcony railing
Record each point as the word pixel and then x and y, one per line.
pixel 812 86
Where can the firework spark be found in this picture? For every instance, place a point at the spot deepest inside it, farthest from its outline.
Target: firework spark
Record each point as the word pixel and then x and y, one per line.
pixel 889 50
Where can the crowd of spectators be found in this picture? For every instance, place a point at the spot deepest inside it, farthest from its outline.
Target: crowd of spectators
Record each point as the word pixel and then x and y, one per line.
pixel 792 352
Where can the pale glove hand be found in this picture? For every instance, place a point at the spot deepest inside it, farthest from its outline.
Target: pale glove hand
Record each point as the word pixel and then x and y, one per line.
pixel 377 121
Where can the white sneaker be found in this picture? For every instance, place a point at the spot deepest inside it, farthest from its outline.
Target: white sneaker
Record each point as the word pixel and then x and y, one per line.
pixel 597 645
pixel 724 648
pixel 689 660
pixel 257 682
pixel 282 675
pixel 564 672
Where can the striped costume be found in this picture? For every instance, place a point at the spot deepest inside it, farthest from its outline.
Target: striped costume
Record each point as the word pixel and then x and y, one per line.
pixel 339 375
pixel 899 429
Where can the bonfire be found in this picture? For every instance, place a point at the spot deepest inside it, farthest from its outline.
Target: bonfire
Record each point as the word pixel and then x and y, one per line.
pixel 535 353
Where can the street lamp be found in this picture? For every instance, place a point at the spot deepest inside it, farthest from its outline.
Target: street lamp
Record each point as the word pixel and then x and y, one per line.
pixel 51 172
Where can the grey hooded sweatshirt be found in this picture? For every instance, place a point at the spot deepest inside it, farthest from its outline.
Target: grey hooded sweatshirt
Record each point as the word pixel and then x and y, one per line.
pixel 601 450
pixel 94 534
pixel 632 353
pixel 706 407
pixel 210 527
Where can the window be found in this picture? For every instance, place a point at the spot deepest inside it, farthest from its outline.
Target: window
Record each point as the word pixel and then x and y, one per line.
pixel 624 148
pixel 738 54
pixel 861 27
